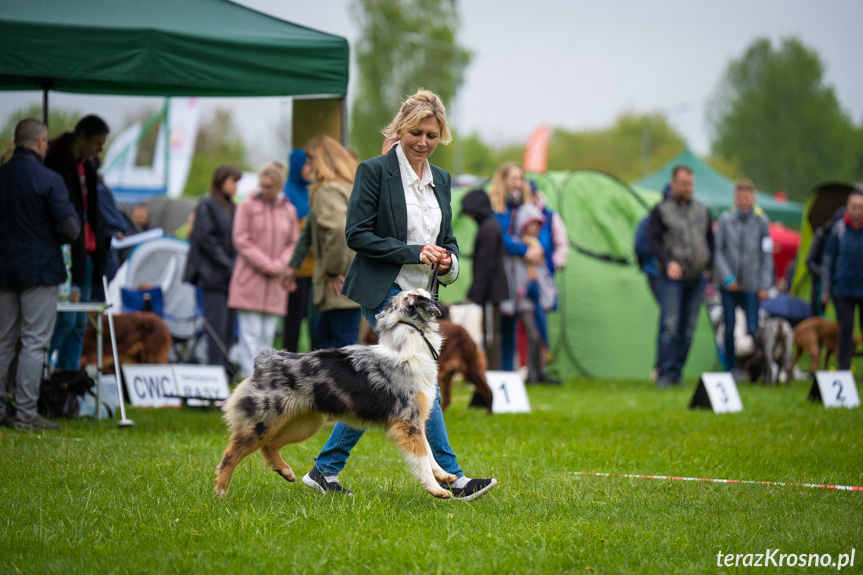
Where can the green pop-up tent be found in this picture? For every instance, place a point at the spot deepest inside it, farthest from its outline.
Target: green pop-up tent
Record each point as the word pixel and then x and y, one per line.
pixel 717 192
pixel 165 48
pixel 606 325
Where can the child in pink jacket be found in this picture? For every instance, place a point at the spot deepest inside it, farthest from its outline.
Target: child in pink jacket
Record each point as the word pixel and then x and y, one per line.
pixel 265 233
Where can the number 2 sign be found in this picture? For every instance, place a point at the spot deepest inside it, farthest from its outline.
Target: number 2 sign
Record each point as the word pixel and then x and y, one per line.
pixel 835 389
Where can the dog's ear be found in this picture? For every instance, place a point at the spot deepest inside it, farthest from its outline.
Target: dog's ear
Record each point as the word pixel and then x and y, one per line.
pixel 428 305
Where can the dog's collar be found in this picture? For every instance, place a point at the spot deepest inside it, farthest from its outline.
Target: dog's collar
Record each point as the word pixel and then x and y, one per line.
pixel 428 343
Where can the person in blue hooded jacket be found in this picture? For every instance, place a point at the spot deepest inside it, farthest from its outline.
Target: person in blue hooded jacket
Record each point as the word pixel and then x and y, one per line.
pixel 842 275
pixel 300 305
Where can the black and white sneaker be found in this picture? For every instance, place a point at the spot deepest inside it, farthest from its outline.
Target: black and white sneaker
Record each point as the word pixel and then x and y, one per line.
pixel 471 489
pixel 316 480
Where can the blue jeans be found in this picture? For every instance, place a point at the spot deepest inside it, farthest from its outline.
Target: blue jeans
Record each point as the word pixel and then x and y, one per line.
pixel 748 301
pixel 338 327
pixel 68 337
pixel 680 302
pixel 507 342
pixel 336 450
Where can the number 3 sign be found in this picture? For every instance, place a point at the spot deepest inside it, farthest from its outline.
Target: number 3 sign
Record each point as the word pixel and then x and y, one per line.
pixel 718 392
pixel 835 389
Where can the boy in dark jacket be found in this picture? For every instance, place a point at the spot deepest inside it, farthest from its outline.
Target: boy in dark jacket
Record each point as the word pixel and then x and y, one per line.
pixel 70 155
pixel 489 286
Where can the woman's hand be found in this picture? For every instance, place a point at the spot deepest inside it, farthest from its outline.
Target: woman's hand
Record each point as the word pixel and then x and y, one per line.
pixel 272 271
pixel 534 254
pixel 335 283
pixel 290 279
pixel 432 254
pixel 444 264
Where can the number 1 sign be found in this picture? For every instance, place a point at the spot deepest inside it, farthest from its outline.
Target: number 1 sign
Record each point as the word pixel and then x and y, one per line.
pixel 835 389
pixel 508 391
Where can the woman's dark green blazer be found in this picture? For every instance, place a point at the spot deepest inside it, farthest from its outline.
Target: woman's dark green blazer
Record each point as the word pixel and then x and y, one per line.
pixel 377 228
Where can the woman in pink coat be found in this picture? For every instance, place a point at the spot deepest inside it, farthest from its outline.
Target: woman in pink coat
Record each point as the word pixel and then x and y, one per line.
pixel 265 233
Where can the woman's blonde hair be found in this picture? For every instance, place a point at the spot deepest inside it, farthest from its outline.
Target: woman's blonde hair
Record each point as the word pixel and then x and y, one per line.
pixel 497 187
pixel 424 104
pixel 275 170
pixel 330 162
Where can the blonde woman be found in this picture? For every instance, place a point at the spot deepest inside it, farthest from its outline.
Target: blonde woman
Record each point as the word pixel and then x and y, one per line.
pixel 507 191
pixel 399 222
pixel 331 170
pixel 265 233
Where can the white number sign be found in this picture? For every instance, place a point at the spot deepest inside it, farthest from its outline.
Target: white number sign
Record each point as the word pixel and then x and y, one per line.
pixel 835 389
pixel 508 391
pixel 717 391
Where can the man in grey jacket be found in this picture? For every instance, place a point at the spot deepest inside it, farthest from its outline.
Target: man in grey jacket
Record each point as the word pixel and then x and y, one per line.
pixel 681 240
pixel 743 263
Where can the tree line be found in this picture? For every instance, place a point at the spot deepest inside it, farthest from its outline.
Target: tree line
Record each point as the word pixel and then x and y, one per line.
pixel 772 116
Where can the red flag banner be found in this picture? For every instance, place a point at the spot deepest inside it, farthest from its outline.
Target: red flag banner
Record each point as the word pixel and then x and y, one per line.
pixel 536 150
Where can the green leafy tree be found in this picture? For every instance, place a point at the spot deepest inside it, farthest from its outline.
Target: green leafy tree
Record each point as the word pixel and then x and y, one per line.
pixel 633 146
pixel 775 117
pixel 59 120
pixel 218 142
pixel 405 45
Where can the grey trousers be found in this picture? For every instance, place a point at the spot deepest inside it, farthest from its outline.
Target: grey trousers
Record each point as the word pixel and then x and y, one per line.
pixel 27 314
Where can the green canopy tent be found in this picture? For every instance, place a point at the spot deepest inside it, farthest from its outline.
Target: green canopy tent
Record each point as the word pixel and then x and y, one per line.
pixel 165 48
pixel 606 325
pixel 717 192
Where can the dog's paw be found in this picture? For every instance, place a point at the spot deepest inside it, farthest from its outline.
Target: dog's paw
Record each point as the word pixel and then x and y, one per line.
pixel 222 493
pixel 444 477
pixel 442 493
pixel 287 474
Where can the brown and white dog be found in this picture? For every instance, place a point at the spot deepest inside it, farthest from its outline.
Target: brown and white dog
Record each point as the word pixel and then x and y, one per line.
pixel 390 385
pixel 142 337
pixel 814 334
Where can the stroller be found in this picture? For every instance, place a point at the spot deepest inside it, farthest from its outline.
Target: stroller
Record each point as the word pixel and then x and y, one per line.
pixel 151 279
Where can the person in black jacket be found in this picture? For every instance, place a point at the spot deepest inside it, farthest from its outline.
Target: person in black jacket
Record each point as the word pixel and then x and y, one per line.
pixel 489 286
pixel 211 260
pixel 70 155
pixel 35 218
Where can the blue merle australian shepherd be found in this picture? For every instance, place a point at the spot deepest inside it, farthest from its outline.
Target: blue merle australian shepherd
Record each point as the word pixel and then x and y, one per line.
pixel 389 385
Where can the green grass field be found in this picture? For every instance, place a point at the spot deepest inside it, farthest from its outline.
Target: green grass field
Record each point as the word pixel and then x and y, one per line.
pixel 140 500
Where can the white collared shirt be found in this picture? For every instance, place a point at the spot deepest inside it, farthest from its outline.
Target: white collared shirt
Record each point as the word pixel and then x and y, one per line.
pixel 424 222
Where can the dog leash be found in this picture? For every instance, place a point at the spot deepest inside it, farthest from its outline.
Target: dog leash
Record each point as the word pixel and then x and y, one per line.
pixel 428 343
pixel 432 285
pixel 432 288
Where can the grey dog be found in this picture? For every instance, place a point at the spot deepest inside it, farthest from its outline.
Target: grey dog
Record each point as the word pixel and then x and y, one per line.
pixel 771 361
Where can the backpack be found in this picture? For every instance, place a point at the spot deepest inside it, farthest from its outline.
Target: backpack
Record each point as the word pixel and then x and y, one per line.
pixel 59 394
pixel 642 245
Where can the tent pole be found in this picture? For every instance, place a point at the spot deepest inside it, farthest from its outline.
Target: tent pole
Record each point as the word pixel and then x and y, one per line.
pixel 344 120
pixel 45 85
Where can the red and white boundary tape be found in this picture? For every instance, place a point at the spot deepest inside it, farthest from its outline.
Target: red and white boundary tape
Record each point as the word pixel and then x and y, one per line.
pixel 706 480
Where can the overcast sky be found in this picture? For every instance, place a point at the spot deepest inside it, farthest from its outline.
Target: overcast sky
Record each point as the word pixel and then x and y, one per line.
pixel 574 64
